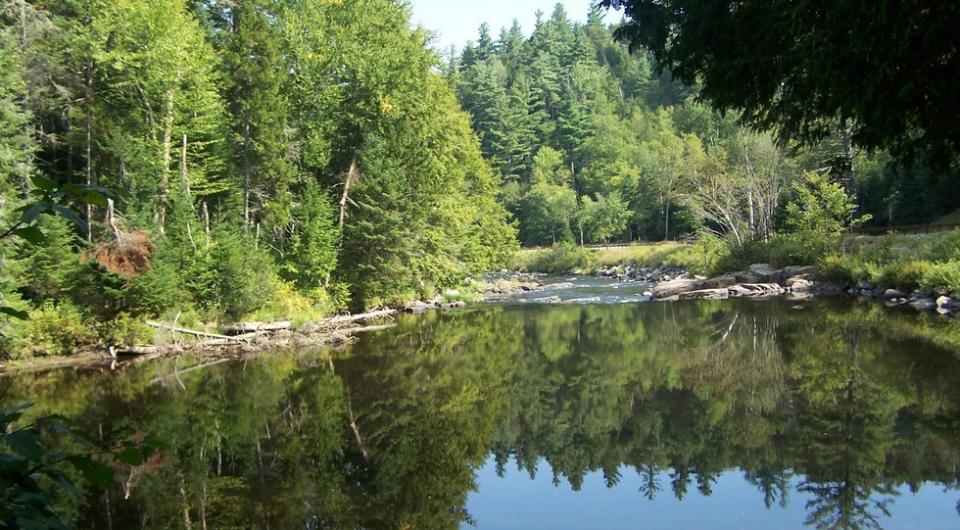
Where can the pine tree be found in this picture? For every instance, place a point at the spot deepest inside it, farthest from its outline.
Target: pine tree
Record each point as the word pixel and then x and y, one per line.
pixel 258 111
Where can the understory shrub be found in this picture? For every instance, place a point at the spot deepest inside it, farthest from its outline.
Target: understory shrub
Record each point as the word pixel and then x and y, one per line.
pixel 51 330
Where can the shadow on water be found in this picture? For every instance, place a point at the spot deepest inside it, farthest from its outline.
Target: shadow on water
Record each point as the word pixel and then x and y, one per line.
pixel 844 406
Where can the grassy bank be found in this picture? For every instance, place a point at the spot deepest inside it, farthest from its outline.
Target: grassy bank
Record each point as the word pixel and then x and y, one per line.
pixel 568 258
pixel 906 262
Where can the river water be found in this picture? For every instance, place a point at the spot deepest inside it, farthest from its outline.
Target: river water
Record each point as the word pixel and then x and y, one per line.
pixel 601 411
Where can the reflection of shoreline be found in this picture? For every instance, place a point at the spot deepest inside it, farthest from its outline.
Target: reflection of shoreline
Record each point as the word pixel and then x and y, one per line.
pixel 681 392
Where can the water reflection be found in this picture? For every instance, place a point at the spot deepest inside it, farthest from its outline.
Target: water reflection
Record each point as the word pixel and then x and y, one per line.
pixel 840 407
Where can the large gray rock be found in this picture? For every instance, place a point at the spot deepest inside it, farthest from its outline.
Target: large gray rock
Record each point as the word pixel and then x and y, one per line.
pixel 798 270
pixel 674 287
pixel 765 273
pixel 705 294
pixel 720 282
pixel 892 294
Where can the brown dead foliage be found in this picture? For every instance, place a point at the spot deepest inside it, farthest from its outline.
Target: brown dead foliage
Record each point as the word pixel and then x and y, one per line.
pixel 127 256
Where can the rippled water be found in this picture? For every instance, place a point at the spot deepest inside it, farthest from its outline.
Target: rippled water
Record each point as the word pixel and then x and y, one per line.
pixel 729 414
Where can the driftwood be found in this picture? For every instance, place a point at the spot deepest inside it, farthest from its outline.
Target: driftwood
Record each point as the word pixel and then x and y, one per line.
pixel 253 327
pixel 346 319
pixel 185 331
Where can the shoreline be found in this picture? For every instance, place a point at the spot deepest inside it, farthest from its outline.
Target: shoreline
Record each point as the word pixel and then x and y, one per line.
pixel 665 284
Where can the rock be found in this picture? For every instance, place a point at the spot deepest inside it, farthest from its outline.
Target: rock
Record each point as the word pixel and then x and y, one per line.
pixel 799 283
pixel 454 305
pixel 720 282
pixel 924 304
pixel 648 294
pixel 828 288
pixel 755 289
pixel 765 273
pixel 705 294
pixel 674 287
pixel 893 294
pixel 417 306
pixel 864 285
pixel 799 270
pixel 946 303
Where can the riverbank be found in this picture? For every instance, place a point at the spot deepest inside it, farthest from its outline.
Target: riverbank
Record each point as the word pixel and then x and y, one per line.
pixel 234 339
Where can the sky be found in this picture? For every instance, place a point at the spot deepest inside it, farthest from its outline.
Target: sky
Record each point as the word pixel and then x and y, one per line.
pixel 456 21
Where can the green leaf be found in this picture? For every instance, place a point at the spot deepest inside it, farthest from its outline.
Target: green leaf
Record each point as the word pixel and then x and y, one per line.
pixel 25 443
pixel 97 474
pixel 30 233
pixel 130 455
pixel 15 313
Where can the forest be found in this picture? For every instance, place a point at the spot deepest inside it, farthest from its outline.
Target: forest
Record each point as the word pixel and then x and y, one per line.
pixel 209 161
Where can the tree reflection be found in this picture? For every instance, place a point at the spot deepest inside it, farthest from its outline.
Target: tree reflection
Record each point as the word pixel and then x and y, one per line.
pixel 842 404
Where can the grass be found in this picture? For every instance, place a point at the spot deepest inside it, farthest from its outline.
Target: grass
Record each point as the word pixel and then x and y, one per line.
pixel 568 258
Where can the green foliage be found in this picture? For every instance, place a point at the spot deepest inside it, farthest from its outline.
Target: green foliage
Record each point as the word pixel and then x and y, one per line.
pixel 51 330
pixel 312 254
pixel 782 45
pixel 604 218
pixel 562 258
pixel 821 208
pixel 124 330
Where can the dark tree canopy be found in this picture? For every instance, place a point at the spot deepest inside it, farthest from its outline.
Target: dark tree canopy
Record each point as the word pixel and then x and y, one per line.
pixel 890 67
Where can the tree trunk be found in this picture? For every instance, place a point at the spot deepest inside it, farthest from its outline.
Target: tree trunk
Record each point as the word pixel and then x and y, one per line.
pixel 849 176
pixel 165 158
pixel 184 181
pixel 351 177
pixel 88 133
pixel 246 175
pixel 666 222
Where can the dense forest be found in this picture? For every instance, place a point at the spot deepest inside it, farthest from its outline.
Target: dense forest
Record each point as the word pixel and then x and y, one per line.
pixel 596 143
pixel 234 157
pixel 208 161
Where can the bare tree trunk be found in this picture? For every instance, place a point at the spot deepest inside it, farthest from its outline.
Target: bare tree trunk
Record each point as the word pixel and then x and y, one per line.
pixel 184 180
pixel 246 175
pixel 88 133
pixel 849 176
pixel 184 503
pixel 352 176
pixel 205 213
pixel 112 221
pixel 165 158
pixel 666 221
pixel 753 225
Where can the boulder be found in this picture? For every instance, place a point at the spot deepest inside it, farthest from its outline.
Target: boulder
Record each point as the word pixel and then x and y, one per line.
pixel 674 287
pixel 765 273
pixel 705 294
pixel 798 270
pixel 720 282
pixel 799 283
pixel 893 294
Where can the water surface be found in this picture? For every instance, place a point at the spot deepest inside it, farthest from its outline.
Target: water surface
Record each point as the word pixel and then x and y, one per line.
pixel 729 414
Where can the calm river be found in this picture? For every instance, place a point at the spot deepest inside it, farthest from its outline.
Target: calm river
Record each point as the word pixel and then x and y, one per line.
pixel 591 415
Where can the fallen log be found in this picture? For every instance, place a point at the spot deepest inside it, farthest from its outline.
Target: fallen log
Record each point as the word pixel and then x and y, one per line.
pixel 250 327
pixel 195 333
pixel 346 319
